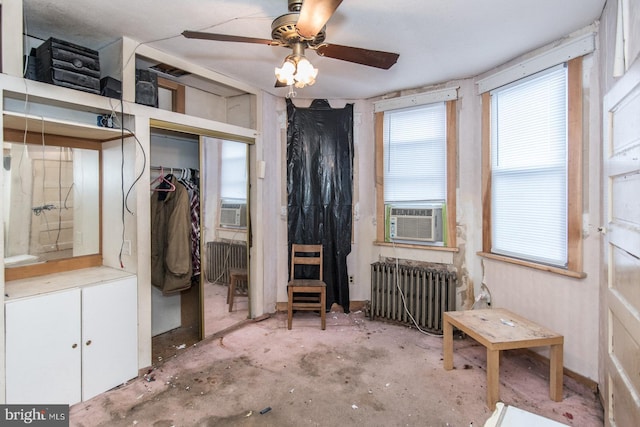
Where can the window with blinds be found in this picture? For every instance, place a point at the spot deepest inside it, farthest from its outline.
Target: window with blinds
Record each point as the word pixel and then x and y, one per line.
pixel 415 148
pixel 529 148
pixel 233 176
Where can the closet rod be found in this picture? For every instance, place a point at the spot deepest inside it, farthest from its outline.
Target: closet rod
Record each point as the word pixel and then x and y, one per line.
pixel 169 168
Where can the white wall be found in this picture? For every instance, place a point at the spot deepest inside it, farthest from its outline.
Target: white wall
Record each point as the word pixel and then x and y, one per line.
pixel 271 194
pixel 566 305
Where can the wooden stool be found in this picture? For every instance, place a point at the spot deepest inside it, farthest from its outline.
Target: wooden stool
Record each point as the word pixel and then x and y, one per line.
pixel 235 275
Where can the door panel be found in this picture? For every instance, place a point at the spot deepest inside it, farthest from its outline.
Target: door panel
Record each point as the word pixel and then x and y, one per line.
pixel 621 297
pixel 109 335
pixel 43 349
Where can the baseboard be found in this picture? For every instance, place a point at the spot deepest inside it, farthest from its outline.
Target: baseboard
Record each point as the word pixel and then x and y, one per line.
pixel 587 382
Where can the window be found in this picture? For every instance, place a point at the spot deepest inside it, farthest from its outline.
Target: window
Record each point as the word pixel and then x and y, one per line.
pixel 233 176
pixel 416 160
pixel 415 142
pixel 532 172
pixel 233 185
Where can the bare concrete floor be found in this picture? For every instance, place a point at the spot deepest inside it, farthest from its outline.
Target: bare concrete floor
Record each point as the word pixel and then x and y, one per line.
pixel 356 372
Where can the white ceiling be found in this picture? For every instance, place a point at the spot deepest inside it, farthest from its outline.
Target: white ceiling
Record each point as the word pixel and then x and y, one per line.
pixel 438 40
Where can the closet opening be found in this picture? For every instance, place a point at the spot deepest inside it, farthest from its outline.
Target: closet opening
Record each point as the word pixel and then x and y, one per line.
pixel 200 233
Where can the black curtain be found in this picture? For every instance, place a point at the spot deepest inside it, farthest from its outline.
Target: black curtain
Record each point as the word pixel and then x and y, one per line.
pixel 319 187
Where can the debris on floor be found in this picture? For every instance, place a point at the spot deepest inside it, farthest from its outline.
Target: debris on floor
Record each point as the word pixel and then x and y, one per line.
pixel 392 375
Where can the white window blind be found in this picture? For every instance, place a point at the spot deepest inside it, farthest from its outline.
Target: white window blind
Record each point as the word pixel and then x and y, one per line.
pixel 529 168
pixel 233 177
pixel 415 154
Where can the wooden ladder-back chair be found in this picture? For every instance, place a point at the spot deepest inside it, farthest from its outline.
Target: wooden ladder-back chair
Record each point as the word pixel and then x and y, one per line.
pixel 306 294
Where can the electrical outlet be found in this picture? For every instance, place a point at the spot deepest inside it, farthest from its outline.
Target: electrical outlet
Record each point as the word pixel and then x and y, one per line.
pixel 126 247
pixel 351 280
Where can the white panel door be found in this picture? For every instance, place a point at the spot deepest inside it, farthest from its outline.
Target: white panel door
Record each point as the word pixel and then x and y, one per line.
pixel 621 297
pixel 109 335
pixel 43 350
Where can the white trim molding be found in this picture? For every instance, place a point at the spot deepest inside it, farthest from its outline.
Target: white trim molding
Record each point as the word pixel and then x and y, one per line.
pixel 439 95
pixel 572 48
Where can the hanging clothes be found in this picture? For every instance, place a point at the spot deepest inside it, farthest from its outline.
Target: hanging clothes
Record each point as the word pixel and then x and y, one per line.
pixel 190 181
pixel 171 266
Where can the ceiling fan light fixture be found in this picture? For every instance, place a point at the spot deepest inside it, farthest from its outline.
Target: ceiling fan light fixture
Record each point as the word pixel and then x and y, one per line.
pixel 305 72
pixel 285 74
pixel 296 70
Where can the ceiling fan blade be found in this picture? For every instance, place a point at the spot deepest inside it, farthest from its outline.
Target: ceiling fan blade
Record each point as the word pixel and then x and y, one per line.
pixel 313 15
pixel 372 58
pixel 226 38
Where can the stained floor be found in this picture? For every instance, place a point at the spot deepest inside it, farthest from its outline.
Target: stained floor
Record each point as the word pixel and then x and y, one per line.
pixel 356 372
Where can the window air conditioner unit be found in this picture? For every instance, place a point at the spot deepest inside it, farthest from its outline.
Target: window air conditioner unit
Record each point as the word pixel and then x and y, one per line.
pixel 233 214
pixel 422 224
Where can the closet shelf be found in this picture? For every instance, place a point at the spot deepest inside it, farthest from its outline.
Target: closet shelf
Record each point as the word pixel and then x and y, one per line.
pixel 20 122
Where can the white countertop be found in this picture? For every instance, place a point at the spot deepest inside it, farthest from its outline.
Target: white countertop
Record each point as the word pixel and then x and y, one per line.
pixel 59 281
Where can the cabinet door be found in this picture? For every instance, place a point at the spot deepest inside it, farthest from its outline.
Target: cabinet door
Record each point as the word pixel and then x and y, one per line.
pixel 109 335
pixel 43 350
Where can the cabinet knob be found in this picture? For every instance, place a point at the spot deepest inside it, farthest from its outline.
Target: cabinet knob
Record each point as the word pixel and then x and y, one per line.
pixel 88 342
pixel 74 345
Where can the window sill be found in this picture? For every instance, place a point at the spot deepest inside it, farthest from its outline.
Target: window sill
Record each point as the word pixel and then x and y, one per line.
pixel 555 270
pixel 409 246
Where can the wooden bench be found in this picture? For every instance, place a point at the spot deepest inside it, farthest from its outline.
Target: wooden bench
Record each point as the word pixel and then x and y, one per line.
pixel 499 329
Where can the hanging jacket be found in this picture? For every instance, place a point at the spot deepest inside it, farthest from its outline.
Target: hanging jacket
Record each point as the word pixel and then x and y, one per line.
pixel 171 265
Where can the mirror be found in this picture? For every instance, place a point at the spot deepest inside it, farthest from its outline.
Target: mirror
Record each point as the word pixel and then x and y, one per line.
pixel 225 233
pixel 51 203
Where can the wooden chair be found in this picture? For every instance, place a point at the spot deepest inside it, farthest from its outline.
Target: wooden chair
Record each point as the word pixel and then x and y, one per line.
pixel 236 275
pixel 306 294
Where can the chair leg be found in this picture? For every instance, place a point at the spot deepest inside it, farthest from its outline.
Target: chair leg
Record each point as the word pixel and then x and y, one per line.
pixel 323 309
pixel 289 307
pixel 232 292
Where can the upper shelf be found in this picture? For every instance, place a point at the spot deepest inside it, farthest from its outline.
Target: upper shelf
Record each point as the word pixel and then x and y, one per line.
pixel 22 122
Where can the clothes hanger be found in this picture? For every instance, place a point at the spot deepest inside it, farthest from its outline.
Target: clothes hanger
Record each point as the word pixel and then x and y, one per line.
pixel 163 182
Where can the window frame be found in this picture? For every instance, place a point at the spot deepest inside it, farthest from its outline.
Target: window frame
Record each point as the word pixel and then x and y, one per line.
pixel 574 178
pixel 451 181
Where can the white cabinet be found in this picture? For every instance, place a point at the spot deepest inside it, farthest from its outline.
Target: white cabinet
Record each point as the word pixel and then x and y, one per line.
pixel 43 353
pixel 68 346
pixel 109 335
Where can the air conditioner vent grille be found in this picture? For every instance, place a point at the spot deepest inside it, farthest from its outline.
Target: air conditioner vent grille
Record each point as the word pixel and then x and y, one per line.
pixel 415 224
pixel 233 214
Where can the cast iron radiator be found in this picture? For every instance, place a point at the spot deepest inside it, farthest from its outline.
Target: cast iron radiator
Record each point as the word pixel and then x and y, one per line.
pixel 221 256
pixel 428 292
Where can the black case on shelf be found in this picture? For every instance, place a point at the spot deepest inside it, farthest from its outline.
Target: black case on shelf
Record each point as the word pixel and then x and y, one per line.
pixel 66 64
pixel 111 87
pixel 146 88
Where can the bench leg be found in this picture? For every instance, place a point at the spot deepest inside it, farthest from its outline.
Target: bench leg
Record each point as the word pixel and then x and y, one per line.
pixel 493 380
pixel 556 372
pixel 447 344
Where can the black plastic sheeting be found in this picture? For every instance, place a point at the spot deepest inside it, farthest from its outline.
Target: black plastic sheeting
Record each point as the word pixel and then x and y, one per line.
pixel 320 188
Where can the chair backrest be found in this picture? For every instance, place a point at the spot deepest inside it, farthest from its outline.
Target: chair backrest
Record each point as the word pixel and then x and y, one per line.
pixel 306 255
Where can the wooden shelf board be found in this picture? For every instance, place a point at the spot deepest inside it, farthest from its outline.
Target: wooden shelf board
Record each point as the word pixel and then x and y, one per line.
pixel 51 126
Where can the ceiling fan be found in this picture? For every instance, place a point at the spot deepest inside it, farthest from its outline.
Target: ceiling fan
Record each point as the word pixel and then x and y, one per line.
pixel 304 27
